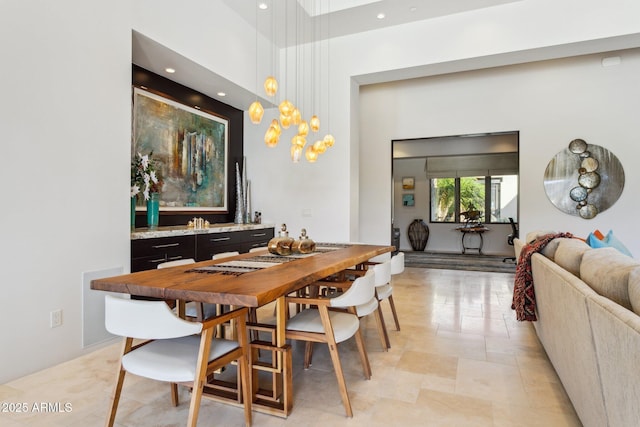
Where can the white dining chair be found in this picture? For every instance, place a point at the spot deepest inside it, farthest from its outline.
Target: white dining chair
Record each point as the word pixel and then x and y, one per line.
pixel 196 310
pixel 173 349
pixel 319 324
pixel 384 288
pixel 225 254
pixel 176 262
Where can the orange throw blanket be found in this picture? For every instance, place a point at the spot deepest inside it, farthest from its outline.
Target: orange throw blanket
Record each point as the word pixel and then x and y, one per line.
pixel 524 296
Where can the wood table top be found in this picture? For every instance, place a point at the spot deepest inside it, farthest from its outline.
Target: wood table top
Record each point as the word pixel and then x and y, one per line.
pixel 251 289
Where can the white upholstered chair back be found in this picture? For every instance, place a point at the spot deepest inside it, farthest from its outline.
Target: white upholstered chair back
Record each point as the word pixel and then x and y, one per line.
pixel 176 263
pixel 225 254
pixel 383 273
pixel 360 292
pixel 397 263
pixel 145 319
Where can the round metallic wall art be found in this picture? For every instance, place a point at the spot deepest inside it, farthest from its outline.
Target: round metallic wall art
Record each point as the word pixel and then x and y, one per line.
pixel 584 179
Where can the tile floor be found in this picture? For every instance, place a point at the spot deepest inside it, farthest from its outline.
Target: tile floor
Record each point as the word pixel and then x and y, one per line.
pixel 461 359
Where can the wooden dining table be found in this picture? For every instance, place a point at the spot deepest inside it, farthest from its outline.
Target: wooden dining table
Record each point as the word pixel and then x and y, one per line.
pixel 248 280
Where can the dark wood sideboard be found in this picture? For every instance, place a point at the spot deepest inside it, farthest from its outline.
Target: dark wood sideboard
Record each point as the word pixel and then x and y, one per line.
pixel 150 248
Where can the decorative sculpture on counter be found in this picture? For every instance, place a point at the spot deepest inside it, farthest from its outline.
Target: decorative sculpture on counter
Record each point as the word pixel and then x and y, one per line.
pixel 239 218
pixel 304 245
pixel 573 179
pixel 281 245
pixel 198 224
pixel 246 193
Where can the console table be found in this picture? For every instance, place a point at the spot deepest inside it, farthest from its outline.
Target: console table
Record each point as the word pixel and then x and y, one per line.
pixel 472 230
pixel 152 247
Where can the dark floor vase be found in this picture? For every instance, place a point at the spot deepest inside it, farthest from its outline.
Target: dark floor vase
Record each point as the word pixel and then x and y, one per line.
pixel 418 234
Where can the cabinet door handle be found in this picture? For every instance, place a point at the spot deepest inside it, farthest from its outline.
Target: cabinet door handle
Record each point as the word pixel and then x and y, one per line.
pixel 168 245
pixel 172 258
pixel 220 239
pixel 158 260
pixel 259 234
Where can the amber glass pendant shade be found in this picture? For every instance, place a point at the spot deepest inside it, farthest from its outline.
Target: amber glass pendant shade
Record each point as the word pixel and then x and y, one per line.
pixel 255 112
pixel 314 123
pixel 285 121
pixel 276 125
pixel 296 117
pixel 311 154
pixel 319 147
pixel 296 153
pixel 329 140
pixel 286 108
pixel 303 128
pixel 299 140
pixel 271 137
pixel 271 86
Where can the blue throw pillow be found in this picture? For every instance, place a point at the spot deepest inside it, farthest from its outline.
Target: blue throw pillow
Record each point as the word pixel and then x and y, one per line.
pixel 594 242
pixel 615 243
pixel 610 241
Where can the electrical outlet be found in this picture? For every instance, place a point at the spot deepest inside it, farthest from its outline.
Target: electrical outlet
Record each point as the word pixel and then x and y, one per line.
pixel 56 318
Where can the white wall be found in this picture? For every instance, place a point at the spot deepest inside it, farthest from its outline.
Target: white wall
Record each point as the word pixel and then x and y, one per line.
pixel 65 126
pixel 65 112
pixel 550 103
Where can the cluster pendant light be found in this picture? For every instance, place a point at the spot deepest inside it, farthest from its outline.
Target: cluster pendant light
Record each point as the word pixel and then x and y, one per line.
pixel 290 116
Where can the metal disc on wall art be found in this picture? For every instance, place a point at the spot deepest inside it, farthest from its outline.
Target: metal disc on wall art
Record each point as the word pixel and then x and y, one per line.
pixel 584 179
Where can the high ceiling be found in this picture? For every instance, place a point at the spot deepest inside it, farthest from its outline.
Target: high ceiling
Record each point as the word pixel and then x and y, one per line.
pixel 318 19
pixel 334 18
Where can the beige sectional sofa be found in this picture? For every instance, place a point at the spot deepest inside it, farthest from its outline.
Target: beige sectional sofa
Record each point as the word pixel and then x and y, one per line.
pixel 588 310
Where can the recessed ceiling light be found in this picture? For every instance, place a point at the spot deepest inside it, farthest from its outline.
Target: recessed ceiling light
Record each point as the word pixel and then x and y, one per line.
pixel 413 9
pixel 170 70
pixel 263 6
pixel 222 94
pixel 380 16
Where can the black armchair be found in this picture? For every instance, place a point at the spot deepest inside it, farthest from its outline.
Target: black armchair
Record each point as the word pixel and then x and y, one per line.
pixel 514 234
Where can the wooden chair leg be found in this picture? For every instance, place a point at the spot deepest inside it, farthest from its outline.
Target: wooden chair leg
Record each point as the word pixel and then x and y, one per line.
pixel 382 330
pixel 335 358
pixel 384 325
pixel 393 310
pixel 201 376
pixel 175 400
pixel 366 367
pixel 308 354
pixel 115 398
pixel 245 372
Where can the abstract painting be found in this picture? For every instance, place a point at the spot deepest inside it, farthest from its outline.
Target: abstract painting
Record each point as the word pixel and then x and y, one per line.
pixel 191 147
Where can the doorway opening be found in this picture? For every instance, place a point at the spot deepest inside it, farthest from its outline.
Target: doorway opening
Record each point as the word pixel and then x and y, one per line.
pixel 454 181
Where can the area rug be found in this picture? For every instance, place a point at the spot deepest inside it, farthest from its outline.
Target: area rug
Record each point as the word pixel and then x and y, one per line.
pixel 457 261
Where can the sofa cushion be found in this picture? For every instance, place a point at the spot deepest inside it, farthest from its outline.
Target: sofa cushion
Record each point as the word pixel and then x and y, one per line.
pixel 550 249
pixel 607 271
pixel 634 290
pixel 532 235
pixel 569 253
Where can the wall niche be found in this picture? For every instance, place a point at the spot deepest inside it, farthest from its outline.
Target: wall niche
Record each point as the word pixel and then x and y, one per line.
pixel 179 93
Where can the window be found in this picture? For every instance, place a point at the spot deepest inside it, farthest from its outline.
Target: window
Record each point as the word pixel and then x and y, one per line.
pixel 457 199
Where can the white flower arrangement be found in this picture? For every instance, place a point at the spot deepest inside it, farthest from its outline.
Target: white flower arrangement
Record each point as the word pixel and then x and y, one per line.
pixel 145 176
